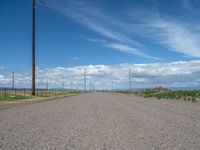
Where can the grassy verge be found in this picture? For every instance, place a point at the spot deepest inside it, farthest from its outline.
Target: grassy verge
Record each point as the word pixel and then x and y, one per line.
pixel 13 97
pixel 162 93
pixel 193 95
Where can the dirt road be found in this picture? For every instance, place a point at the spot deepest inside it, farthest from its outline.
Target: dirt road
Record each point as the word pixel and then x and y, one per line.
pixel 101 121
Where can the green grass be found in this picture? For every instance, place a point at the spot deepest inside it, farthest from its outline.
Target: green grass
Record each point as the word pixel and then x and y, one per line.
pixel 12 97
pixel 125 92
pixel 55 93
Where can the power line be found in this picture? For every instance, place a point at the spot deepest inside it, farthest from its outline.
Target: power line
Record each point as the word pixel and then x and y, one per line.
pixel 42 2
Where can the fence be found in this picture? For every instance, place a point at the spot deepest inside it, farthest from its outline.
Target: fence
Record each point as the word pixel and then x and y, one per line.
pixel 15 94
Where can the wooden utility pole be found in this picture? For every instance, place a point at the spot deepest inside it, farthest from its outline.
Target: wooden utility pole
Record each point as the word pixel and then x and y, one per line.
pixel 72 85
pixel 112 85
pixel 63 85
pixel 130 82
pixel 47 84
pixel 85 80
pixel 90 85
pixel 33 47
pixel 77 87
pixel 13 81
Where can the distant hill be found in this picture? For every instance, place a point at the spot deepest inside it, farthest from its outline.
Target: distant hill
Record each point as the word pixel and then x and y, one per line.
pixel 185 88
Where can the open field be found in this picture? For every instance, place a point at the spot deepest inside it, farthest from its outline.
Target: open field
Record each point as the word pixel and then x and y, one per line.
pixel 101 121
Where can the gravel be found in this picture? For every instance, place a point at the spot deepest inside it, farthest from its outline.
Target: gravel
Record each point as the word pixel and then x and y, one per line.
pixel 101 121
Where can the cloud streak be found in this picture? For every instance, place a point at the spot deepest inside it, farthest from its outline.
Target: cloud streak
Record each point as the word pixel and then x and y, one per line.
pixel 148 23
pixel 94 19
pixel 177 33
pixel 175 36
pixel 129 49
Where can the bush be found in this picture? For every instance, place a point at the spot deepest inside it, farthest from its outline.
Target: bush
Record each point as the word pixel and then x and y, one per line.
pixel 193 99
pixel 186 95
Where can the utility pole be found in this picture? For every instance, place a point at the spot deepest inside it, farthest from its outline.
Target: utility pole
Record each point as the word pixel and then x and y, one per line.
pixel 130 82
pixel 47 82
pixel 90 85
pixel 33 42
pixel 85 80
pixel 77 87
pixel 13 80
pixel 63 84
pixel 33 47
pixel 72 85
pixel 47 85
pixel 112 85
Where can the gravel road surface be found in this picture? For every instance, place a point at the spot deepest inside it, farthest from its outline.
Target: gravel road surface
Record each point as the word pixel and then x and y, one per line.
pixel 101 121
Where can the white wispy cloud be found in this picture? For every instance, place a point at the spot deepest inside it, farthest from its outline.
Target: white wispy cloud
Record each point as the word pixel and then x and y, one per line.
pixel 176 37
pixel 90 17
pixel 186 3
pixel 123 48
pixel 75 58
pixel 2 67
pixel 175 74
pixel 103 24
pixel 172 33
pixel 129 49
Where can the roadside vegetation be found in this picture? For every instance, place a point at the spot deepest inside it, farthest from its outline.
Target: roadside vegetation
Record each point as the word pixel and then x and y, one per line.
pixel 161 93
pixel 12 96
pixel 164 93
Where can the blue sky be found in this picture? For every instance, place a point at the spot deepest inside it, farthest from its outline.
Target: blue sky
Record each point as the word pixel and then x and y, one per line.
pixel 74 33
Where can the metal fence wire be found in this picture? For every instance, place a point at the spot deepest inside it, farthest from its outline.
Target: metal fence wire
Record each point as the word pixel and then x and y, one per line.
pixel 11 94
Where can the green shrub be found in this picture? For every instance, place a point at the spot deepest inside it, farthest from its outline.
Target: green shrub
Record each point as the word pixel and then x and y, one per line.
pixel 193 99
pixel 186 95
